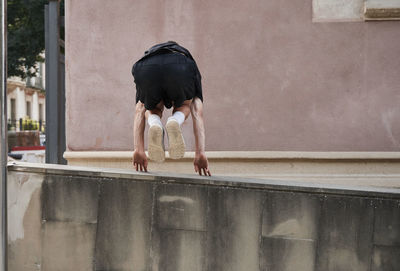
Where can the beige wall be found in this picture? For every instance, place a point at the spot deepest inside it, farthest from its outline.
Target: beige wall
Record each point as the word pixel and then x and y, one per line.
pixel 272 79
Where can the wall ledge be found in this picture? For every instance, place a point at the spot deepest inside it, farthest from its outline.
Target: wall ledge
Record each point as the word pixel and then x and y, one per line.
pixel 349 189
pixel 366 168
pixel 382 10
pixel 247 155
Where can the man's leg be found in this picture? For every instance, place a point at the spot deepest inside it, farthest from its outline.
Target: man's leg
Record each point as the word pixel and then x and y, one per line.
pixel 175 138
pixel 183 109
pixel 156 133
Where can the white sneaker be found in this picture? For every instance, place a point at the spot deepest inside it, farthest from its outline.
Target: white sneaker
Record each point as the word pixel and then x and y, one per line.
pixel 156 143
pixel 175 138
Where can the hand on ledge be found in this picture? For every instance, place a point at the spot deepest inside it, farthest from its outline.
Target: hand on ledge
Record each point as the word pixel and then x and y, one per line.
pixel 140 160
pixel 201 164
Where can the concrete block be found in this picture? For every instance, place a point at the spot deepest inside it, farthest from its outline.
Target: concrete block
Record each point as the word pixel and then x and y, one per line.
pixel 181 207
pixel 234 230
pixel 382 3
pixel 290 215
pixel 124 225
pixel 180 250
pixel 68 246
pixel 280 254
pixel 337 10
pixel 387 223
pixel 24 221
pixel 382 10
pixel 345 234
pixel 385 258
pixel 70 199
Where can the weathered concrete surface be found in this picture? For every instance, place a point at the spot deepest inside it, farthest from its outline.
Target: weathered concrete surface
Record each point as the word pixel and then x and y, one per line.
pixel 66 218
pixel 70 199
pixel 124 223
pixel 24 221
pixel 345 234
pixel 235 216
pixel 290 230
pixel 68 246
pixel 337 10
pixel 382 10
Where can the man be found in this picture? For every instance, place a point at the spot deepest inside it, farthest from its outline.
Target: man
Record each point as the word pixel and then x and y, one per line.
pixel 167 76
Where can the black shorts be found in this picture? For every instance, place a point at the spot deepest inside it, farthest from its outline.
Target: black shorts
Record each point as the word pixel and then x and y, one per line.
pixel 168 77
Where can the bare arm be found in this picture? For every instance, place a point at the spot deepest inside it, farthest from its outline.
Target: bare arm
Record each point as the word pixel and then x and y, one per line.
pixel 139 156
pixel 200 160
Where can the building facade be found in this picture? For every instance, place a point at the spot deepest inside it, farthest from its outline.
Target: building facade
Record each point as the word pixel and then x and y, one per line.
pixel 26 102
pixel 284 82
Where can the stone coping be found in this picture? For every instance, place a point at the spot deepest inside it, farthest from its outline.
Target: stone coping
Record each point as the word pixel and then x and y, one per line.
pixel 243 183
pixel 382 10
pixel 251 155
pixel 382 3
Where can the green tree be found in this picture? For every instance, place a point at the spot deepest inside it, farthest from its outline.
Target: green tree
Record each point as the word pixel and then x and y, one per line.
pixel 25 25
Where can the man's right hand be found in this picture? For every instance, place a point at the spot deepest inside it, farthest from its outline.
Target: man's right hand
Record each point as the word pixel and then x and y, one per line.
pixel 201 164
pixel 140 160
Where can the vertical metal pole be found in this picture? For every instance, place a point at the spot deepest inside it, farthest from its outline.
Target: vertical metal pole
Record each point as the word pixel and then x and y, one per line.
pixel 61 112
pixel 52 84
pixel 3 145
pixel 46 51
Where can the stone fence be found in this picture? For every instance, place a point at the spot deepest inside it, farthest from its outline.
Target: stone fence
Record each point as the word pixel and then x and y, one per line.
pixel 70 218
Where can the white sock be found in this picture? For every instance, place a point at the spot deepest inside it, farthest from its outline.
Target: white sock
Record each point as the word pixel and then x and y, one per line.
pixel 154 119
pixel 178 116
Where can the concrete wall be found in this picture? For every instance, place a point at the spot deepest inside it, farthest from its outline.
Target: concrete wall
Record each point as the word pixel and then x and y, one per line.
pixel 65 218
pixel 273 79
pixel 352 168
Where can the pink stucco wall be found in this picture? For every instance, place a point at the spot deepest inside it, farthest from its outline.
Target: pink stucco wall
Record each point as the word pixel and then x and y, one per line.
pixel 272 79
